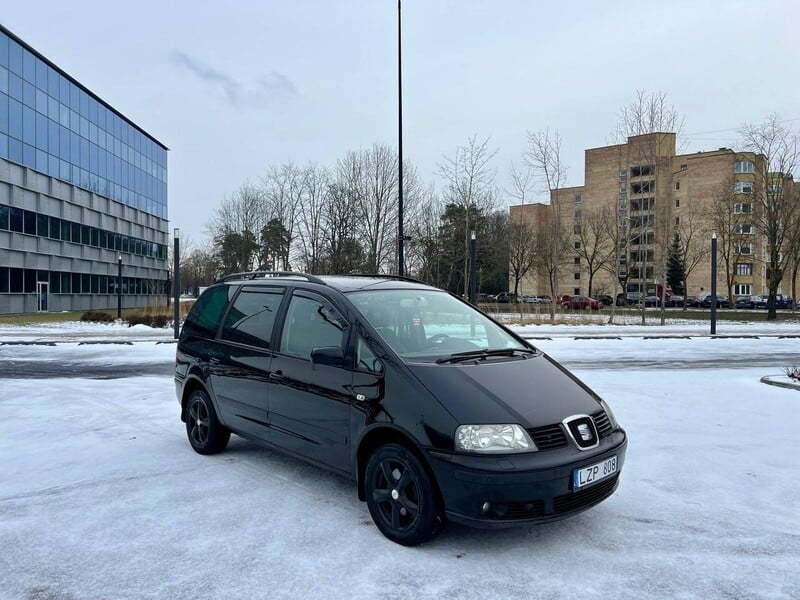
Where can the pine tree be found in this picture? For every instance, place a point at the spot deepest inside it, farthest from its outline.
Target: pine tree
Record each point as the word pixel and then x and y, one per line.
pixel 676 270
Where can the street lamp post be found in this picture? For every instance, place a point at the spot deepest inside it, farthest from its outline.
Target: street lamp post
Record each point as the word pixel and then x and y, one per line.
pixel 400 234
pixel 119 286
pixel 473 270
pixel 714 283
pixel 176 283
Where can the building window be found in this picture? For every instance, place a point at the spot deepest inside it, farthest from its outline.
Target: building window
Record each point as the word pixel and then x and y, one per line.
pixel 623 175
pixel 642 171
pixel 743 228
pixel 684 167
pixel 742 289
pixel 576 291
pixel 577 245
pixel 744 166
pixel 743 208
pixel 744 249
pixel 643 204
pixel 576 260
pixel 577 276
pixel 578 214
pixel 744 268
pixel 578 198
pixel 677 185
pixel 576 229
pixel 743 187
pixel 677 203
pixel 645 187
pixel 677 221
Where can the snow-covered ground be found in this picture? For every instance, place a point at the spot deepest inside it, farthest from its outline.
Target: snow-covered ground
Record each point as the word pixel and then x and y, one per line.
pixel 102 497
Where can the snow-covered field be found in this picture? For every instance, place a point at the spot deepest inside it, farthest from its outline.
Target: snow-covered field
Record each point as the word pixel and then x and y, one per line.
pixel 102 497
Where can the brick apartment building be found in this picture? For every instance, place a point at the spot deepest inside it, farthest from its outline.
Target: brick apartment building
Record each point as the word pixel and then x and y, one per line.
pixel 636 196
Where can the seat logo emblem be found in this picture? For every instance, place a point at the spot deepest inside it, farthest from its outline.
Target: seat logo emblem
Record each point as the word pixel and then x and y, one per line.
pixel 585 432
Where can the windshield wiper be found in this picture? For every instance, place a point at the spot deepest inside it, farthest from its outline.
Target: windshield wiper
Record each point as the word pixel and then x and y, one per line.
pixel 484 354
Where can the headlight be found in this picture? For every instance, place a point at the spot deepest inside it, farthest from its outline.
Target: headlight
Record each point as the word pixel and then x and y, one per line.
pixel 497 439
pixel 611 418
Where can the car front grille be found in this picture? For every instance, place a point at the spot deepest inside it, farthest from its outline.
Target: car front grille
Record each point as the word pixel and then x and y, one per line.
pixel 586 497
pixel 549 437
pixel 602 423
pixel 553 436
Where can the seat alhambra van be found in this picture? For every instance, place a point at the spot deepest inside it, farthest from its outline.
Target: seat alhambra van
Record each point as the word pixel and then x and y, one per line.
pixel 437 412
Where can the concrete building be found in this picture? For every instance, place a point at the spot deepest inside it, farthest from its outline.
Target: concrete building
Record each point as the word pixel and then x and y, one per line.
pixel 636 196
pixel 81 187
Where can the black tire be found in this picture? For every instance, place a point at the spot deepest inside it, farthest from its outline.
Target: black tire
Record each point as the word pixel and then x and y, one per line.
pixel 205 433
pixel 401 496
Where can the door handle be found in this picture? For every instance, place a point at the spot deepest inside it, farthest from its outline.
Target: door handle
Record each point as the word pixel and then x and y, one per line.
pixel 276 376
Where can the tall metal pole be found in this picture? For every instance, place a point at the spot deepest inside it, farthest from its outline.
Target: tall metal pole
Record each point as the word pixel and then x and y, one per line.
pixel 119 286
pixel 176 283
pixel 714 283
pixel 400 234
pixel 473 270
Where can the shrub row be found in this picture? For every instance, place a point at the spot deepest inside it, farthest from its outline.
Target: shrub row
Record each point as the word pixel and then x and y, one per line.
pixel 97 316
pixel 158 321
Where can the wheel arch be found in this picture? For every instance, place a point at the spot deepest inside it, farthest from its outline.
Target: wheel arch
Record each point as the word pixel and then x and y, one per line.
pixel 383 434
pixel 192 384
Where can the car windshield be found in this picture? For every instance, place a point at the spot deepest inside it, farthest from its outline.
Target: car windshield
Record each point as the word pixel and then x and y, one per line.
pixel 428 325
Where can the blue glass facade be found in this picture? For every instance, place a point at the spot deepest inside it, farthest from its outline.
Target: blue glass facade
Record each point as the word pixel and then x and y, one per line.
pixel 51 124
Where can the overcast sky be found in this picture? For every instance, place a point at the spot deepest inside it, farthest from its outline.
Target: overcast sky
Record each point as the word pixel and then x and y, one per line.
pixel 232 87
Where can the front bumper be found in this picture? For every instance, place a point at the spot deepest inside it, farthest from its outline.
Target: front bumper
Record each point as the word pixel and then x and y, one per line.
pixel 523 488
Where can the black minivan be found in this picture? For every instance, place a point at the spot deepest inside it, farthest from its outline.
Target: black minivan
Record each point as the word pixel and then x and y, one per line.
pixel 435 410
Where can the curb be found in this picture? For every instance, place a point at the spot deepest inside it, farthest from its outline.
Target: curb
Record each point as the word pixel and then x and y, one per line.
pixel 782 384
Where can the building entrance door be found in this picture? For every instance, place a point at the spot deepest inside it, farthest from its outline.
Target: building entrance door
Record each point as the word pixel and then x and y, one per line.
pixel 41 290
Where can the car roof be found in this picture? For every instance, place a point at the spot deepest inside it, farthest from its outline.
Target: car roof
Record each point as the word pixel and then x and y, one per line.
pixel 341 283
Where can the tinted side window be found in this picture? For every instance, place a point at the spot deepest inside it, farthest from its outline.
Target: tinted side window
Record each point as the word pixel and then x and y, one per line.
pixel 251 318
pixel 366 360
pixel 311 324
pixel 206 313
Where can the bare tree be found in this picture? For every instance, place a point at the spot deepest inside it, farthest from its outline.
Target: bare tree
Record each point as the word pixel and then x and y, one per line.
pixel 469 185
pixel 424 253
pixel 594 231
pixel 523 248
pixel 543 156
pixel 283 189
pixel 645 118
pixel 723 219
pixel 522 182
pixel 779 145
pixel 316 182
pixel 236 226
pixel 693 233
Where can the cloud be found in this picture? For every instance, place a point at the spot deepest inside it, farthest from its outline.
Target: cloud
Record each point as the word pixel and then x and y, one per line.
pixel 268 87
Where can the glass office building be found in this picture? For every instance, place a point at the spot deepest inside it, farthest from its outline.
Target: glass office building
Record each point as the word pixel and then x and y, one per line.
pixel 81 186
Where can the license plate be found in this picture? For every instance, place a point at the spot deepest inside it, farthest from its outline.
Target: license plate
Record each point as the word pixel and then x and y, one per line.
pixel 594 473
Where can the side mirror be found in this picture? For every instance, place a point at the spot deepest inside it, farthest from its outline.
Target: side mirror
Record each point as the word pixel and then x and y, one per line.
pixel 331 356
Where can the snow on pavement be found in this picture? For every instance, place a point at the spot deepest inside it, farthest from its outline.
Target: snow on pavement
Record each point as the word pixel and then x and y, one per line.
pixel 101 496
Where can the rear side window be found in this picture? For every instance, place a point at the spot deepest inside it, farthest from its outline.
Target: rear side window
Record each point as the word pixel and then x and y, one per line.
pixel 204 318
pixel 251 318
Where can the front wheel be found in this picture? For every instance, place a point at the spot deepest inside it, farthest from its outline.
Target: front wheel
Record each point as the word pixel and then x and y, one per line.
pixel 401 497
pixel 206 434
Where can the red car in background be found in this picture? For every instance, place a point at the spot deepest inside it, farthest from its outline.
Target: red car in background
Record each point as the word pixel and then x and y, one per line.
pixel 578 302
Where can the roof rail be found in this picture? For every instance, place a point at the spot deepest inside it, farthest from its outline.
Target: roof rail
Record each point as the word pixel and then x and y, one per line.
pixel 267 274
pixel 381 276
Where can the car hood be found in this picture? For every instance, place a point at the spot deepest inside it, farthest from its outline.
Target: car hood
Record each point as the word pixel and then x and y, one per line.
pixel 532 391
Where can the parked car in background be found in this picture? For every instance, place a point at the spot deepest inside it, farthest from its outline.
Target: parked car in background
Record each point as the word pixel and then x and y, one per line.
pixel 506 298
pixel 781 301
pixel 722 301
pixel 674 300
pixel 485 298
pixel 536 299
pixel 621 300
pixel 746 302
pixel 605 299
pixel 577 302
pixel 692 302
pixel 652 301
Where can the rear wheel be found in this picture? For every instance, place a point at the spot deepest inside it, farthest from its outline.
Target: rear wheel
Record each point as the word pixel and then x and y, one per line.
pixel 206 434
pixel 401 497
